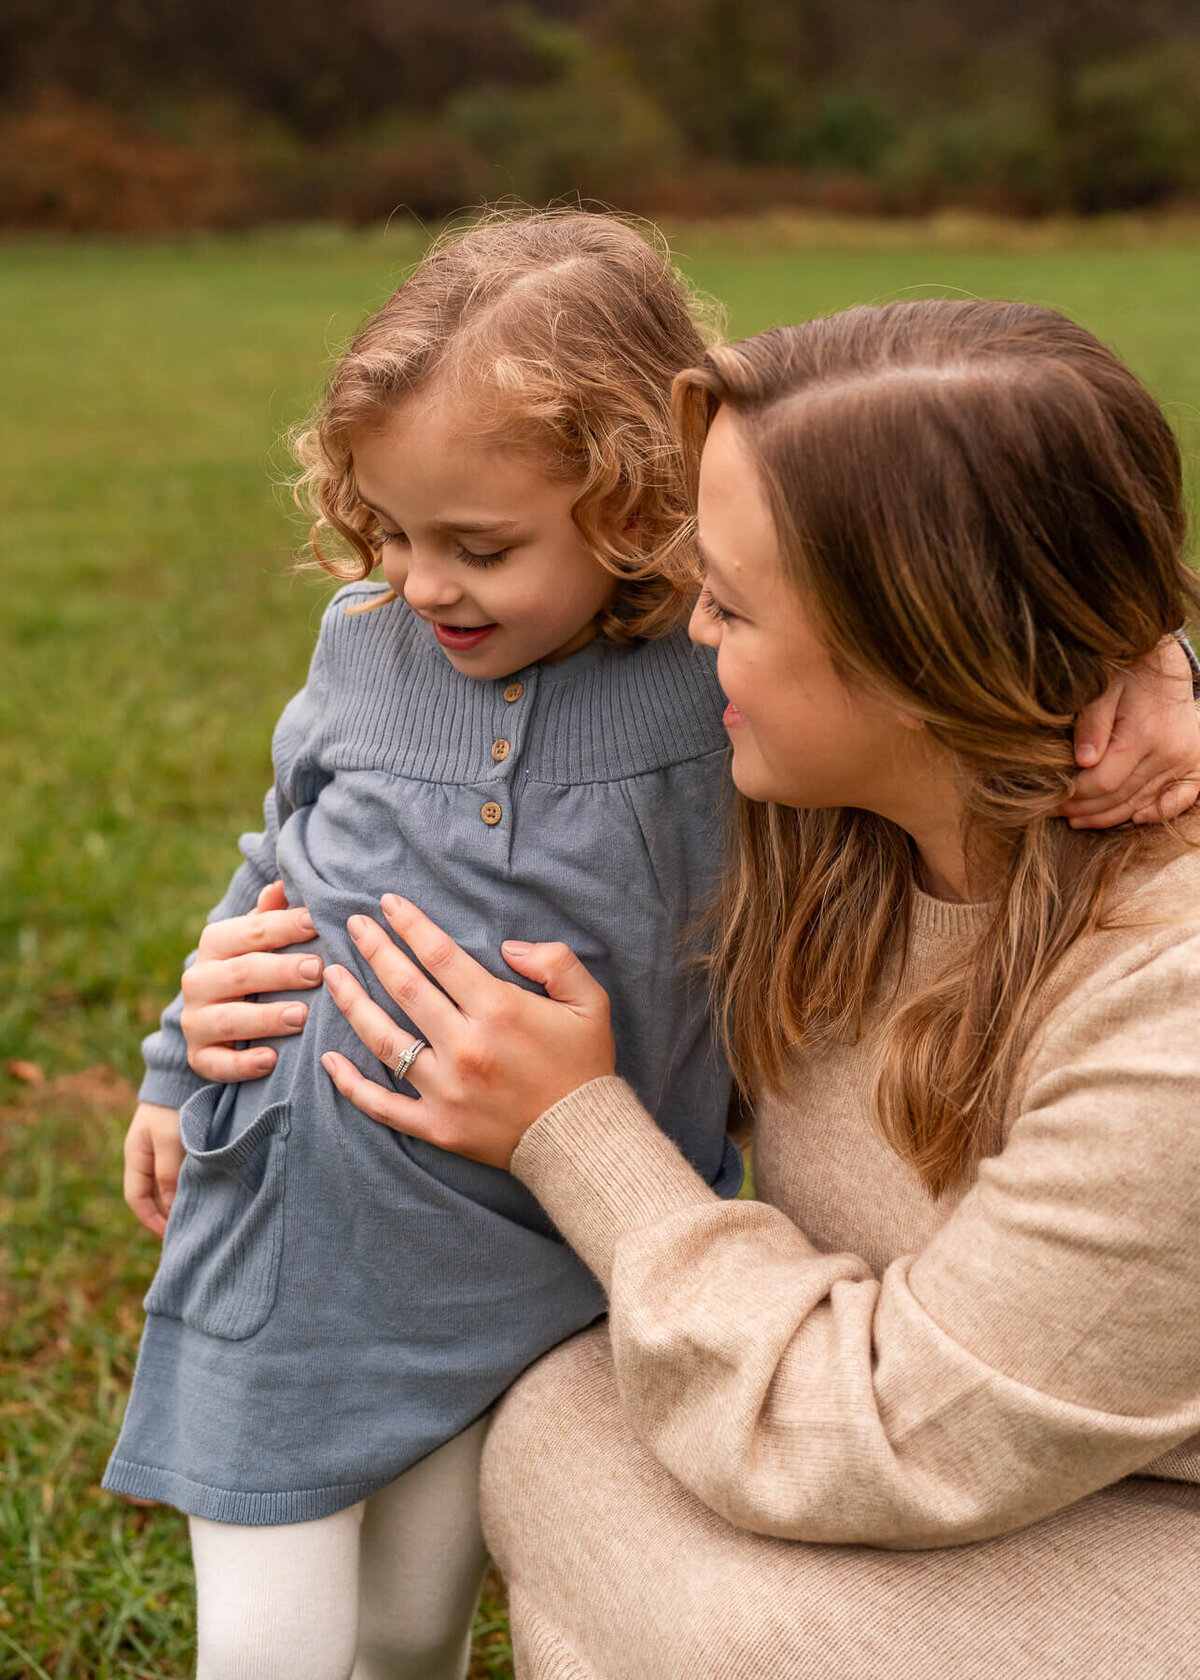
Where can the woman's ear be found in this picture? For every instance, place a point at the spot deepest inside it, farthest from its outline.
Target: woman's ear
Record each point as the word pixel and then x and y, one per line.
pixel 906 720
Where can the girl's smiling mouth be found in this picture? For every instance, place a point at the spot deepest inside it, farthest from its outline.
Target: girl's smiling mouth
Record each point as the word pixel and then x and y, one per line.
pixel 461 637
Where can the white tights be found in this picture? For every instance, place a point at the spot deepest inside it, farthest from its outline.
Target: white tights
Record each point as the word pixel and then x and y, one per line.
pixel 385 1590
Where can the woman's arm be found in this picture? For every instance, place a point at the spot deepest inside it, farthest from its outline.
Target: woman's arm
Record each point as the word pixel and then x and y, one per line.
pixel 1043 1344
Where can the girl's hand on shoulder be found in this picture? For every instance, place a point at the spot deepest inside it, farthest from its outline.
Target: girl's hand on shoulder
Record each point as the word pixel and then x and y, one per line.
pixel 234 962
pixel 498 1056
pixel 153 1156
pixel 1139 746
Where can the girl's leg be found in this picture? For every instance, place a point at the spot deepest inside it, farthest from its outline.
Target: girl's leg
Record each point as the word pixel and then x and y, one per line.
pixel 277 1603
pixel 422 1561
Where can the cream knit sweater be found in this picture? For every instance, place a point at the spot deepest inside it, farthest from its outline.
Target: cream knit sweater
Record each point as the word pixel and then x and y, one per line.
pixel 847 1360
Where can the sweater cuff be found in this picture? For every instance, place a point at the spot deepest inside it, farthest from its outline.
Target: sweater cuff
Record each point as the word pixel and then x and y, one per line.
pixel 170 1087
pixel 600 1167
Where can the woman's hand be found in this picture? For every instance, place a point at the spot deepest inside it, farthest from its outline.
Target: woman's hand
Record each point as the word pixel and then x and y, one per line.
pixel 153 1156
pixel 233 963
pixel 1143 738
pixel 498 1056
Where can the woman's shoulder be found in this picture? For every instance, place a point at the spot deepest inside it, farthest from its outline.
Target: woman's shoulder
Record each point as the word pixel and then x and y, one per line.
pixel 1154 909
pixel 1165 878
pixel 1136 976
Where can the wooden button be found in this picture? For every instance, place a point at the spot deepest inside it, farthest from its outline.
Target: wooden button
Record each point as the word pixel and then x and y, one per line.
pixel 500 751
pixel 491 813
pixel 514 691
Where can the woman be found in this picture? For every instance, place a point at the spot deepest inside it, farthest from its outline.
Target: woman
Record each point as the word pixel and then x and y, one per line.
pixel 925 1408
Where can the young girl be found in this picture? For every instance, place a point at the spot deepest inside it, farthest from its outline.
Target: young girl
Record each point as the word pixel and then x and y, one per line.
pixel 515 732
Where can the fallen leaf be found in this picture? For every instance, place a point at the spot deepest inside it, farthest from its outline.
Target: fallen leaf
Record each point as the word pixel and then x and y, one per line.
pixel 100 1085
pixel 29 1073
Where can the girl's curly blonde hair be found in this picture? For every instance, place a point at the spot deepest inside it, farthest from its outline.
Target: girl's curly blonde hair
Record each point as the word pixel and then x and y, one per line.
pixel 564 331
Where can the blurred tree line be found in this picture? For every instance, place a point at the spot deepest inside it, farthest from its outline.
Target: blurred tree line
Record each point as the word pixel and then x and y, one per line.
pixel 146 114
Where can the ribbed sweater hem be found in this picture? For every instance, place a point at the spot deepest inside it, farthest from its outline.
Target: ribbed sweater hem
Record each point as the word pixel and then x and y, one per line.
pixel 229 1505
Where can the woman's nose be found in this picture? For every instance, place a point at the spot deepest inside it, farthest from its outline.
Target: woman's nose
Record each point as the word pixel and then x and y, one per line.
pixel 703 627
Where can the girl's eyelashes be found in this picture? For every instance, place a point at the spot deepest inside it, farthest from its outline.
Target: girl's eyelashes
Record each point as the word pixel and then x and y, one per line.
pixel 482 560
pixel 382 538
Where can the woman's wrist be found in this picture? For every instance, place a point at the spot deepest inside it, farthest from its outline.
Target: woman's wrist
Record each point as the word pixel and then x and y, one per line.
pixel 600 1167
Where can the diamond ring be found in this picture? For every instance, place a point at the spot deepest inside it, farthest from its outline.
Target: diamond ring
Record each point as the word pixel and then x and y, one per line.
pixel 407 1058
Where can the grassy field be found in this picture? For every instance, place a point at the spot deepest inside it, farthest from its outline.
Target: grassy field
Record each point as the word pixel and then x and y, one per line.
pixel 152 630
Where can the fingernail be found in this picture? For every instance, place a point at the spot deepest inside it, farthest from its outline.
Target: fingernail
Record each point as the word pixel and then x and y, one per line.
pixel 310 968
pixel 357 926
pixel 389 903
pixel 295 1014
pixel 333 977
pixel 306 922
pixel 327 1063
pixel 1086 754
pixel 265 1061
pixel 519 947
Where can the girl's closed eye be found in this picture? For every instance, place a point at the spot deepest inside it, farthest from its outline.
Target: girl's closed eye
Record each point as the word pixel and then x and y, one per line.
pixel 482 560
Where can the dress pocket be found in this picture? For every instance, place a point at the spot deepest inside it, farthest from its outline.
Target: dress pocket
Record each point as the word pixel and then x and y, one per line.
pixel 219 1270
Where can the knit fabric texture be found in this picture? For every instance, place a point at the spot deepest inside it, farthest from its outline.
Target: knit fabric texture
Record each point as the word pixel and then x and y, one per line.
pixel 334 1299
pixel 801 1399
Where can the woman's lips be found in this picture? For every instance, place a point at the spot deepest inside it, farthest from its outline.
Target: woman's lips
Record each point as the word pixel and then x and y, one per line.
pixel 461 637
pixel 731 716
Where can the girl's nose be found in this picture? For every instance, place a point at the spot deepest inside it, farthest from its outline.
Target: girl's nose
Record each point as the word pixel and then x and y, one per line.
pixel 428 587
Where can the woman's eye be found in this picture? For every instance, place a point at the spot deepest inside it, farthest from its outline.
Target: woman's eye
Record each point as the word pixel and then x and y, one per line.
pixel 709 605
pixel 472 559
pixel 385 537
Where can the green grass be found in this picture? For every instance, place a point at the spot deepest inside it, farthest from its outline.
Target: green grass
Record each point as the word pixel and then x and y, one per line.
pixel 152 630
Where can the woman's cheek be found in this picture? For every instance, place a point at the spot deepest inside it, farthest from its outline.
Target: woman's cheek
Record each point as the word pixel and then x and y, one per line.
pixel 728 675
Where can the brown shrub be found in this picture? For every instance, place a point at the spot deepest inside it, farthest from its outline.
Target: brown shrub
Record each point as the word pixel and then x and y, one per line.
pixel 69 166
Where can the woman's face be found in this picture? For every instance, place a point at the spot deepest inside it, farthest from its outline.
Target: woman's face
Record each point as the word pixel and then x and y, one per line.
pixel 800 736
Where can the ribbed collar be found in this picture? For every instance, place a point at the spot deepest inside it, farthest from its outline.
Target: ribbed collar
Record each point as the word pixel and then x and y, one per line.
pixel 392 701
pixel 943 918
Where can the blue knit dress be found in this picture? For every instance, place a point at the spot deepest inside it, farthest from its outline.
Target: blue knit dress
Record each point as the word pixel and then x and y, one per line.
pixel 335 1300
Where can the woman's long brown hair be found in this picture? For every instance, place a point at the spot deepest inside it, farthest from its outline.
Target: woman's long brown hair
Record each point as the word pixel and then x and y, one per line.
pixel 982 506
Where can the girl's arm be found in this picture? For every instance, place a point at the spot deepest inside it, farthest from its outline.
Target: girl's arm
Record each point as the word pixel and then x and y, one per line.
pixel 251 920
pixel 1138 746
pixel 234 957
pixel 1044 1343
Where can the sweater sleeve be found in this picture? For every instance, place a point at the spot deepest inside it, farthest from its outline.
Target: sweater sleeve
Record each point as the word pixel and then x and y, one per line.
pixel 1043 1344
pixel 169 1080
